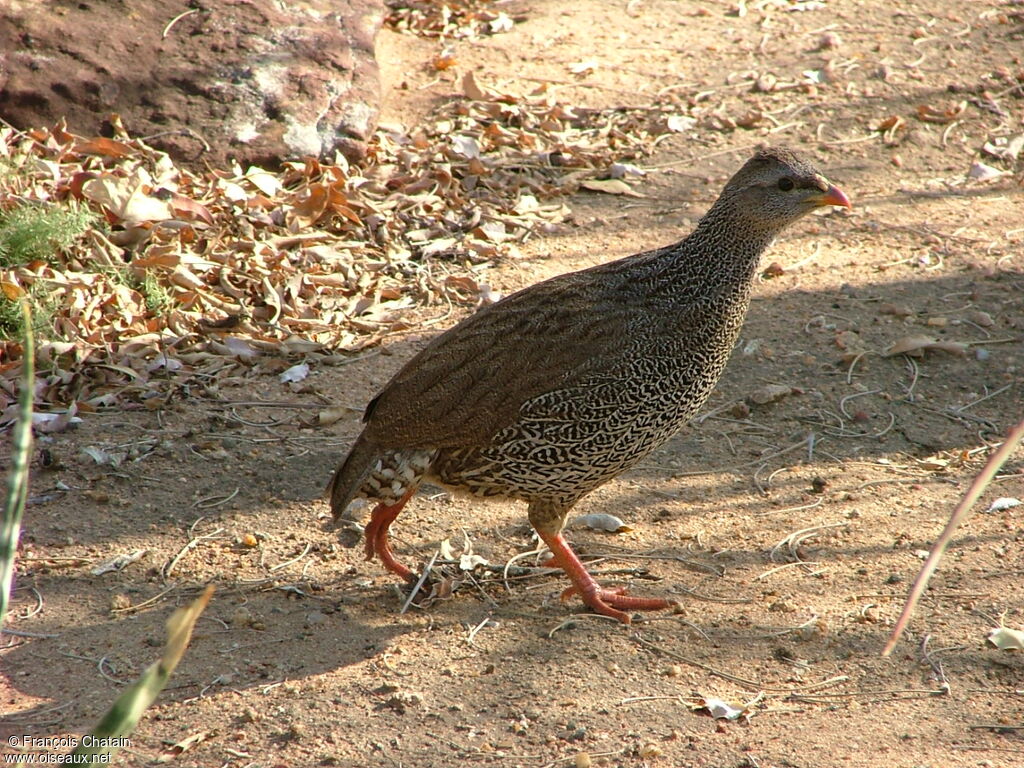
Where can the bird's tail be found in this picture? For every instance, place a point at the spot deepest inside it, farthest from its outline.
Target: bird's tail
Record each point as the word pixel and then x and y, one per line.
pixel 349 476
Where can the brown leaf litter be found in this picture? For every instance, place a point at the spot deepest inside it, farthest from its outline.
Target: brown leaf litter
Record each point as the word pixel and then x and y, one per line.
pixel 198 274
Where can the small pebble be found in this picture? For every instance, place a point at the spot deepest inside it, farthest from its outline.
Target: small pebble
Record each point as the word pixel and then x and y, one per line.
pixel 120 602
pixel 829 41
pixel 647 751
pixel 740 411
pixel 899 310
pixel 315 617
pixel 984 319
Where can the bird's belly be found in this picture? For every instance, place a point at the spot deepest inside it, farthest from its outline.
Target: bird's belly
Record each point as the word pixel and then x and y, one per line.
pixel 568 442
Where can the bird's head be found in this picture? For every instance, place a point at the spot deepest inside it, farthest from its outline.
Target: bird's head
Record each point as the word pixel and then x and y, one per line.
pixel 775 187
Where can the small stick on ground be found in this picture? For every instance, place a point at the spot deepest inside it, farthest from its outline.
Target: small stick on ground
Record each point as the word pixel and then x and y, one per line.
pixel 193 542
pixel 286 563
pixel 419 584
pixel 977 488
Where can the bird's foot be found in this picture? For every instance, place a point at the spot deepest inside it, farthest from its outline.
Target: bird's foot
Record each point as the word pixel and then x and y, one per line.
pixel 615 602
pixel 387 558
pixel 607 602
pixel 376 533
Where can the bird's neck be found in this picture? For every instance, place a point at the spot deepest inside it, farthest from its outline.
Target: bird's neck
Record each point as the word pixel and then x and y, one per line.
pixel 730 243
pixel 718 260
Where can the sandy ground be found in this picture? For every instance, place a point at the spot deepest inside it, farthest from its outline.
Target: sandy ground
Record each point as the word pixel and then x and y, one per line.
pixel 789 530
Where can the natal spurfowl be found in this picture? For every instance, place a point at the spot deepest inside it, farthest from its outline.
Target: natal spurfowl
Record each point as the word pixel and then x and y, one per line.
pixel 564 385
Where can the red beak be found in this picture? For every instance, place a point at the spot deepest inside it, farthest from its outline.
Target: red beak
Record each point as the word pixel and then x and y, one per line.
pixel 834 196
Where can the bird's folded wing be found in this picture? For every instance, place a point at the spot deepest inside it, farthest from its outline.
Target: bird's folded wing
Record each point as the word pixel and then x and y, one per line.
pixel 469 383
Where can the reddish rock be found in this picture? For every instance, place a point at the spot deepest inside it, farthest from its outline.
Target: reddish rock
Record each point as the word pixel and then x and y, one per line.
pixel 207 81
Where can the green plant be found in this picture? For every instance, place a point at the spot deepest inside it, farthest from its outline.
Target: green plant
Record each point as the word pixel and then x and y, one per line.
pixel 43 304
pixel 17 484
pixel 121 719
pixel 159 300
pixel 29 232
pixel 11 319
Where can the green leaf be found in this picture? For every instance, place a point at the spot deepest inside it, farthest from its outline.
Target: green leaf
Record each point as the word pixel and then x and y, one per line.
pixel 113 730
pixel 17 485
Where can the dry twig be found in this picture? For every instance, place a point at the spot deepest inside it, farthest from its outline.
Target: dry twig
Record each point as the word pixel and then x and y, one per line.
pixel 959 514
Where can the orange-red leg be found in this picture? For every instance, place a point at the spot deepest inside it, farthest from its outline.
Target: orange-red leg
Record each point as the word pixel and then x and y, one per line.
pixel 377 536
pixel 607 602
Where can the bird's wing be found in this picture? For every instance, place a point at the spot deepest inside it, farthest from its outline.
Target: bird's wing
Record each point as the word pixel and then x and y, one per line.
pixel 470 382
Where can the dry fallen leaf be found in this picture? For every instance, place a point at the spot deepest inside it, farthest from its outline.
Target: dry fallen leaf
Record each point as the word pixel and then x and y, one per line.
pixel 294 374
pixel 264 181
pixel 101 145
pixel 328 416
pixel 770 393
pixel 1006 639
pixel 680 123
pixel 600 521
pixel 103 457
pixel 127 199
pixel 948 114
pixel 719 709
pixel 466 146
pixel 610 187
pixel 1005 502
pixel 465 557
pixel 118 562
pixel 502 23
pixel 889 125
pixel 471 89
pixel 172 752
pixel 915 345
pixel 979 171
pixel 583 67
pixel 1004 148
pixel 443 62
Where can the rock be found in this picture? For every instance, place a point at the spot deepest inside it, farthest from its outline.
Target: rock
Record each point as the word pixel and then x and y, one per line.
pixel 314 618
pixel 254 82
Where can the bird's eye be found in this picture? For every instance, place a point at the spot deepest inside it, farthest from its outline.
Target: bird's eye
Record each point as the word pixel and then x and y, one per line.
pixel 785 184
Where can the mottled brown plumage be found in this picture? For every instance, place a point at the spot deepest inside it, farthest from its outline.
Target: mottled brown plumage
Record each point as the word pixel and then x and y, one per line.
pixel 562 386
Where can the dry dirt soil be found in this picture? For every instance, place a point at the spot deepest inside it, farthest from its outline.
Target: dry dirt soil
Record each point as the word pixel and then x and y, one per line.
pixel 789 530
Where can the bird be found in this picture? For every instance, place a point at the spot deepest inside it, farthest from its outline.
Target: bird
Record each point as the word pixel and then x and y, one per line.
pixel 556 389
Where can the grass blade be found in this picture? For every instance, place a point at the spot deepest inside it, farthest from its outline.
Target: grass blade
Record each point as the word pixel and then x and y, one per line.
pixel 112 731
pixel 17 484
